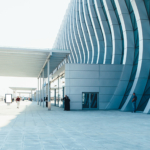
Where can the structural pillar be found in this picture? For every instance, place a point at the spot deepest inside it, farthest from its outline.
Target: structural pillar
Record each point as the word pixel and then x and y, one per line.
pixel 58 93
pixel 31 94
pixel 38 92
pixel 14 94
pixel 48 73
pixel 43 87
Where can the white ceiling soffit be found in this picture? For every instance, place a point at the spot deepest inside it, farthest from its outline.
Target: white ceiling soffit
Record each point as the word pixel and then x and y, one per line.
pixel 24 92
pixel 22 62
pixel 23 88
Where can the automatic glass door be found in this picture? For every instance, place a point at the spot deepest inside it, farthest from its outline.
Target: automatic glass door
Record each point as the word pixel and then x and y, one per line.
pixel 90 101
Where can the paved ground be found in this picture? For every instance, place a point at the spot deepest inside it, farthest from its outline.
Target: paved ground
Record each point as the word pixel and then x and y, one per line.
pixel 32 127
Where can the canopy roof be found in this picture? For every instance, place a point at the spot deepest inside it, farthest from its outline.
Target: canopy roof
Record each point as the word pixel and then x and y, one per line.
pixel 23 88
pixel 24 92
pixel 22 62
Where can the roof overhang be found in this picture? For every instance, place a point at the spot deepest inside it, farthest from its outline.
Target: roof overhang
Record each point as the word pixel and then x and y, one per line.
pixel 24 92
pixel 22 62
pixel 23 88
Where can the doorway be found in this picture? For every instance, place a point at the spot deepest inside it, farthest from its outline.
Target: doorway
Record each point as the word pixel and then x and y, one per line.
pixel 54 97
pixel 63 91
pixel 90 100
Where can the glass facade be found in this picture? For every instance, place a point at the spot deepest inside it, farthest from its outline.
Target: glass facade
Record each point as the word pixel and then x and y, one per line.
pixel 147 6
pixel 52 96
pixel 146 95
pixel 85 100
pixel 136 52
pixel 84 21
pixel 119 23
pixel 104 11
pixel 57 91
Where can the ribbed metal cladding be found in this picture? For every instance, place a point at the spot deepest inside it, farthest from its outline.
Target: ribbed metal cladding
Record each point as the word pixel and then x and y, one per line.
pixel 111 32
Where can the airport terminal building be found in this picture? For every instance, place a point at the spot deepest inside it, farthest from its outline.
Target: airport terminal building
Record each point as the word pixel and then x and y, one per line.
pixel 109 60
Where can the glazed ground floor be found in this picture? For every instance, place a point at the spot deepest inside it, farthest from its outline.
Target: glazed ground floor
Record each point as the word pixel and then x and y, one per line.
pixel 92 87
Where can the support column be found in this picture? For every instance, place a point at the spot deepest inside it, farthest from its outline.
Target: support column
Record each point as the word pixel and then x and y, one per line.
pixel 58 93
pixel 14 94
pixel 48 73
pixel 43 87
pixel 38 93
pixel 31 94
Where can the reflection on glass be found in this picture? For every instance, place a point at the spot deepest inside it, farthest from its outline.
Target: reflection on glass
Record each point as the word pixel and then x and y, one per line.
pixel 60 97
pixel 93 100
pixel 89 100
pixel 52 97
pixel 58 91
pixel 57 98
pixel 85 100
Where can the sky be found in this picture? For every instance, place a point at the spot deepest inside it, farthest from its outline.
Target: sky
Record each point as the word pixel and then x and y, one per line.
pixel 29 24
pixel 6 82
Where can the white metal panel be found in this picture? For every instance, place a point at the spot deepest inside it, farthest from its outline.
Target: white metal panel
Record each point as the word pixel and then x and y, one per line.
pixel 23 62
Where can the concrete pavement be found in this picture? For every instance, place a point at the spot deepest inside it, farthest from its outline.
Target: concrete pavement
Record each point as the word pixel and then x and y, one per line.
pixel 32 127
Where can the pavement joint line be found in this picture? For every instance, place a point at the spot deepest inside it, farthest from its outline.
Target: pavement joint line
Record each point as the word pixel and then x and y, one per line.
pixel 58 129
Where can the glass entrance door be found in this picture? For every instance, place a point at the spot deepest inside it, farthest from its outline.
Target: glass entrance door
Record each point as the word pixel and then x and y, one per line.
pixel 85 100
pixel 55 97
pixel 94 100
pixel 63 91
pixel 89 100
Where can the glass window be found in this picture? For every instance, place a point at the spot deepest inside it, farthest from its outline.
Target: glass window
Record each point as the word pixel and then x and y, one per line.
pixel 90 100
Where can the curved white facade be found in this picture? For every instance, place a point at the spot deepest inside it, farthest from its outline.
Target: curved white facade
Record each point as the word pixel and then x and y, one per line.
pixel 113 32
